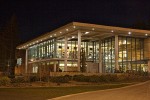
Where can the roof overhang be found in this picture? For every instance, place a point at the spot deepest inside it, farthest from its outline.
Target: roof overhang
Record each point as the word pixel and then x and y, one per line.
pixel 89 31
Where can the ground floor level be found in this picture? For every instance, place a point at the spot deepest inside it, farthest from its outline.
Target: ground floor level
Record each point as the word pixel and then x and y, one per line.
pixel 47 66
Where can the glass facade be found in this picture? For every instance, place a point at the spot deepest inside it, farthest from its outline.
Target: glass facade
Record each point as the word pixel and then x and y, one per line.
pixel 130 54
pixel 42 50
pixel 108 55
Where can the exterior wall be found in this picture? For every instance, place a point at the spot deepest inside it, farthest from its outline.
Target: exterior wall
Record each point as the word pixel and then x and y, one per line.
pixel 92 67
pixel 20 69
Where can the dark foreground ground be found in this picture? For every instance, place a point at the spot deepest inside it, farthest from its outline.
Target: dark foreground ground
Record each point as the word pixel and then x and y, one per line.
pixel 44 93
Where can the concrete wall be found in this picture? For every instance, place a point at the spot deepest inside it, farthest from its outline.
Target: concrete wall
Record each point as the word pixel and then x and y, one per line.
pixel 92 67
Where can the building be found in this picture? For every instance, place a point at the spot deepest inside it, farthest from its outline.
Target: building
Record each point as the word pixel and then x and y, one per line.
pixel 88 48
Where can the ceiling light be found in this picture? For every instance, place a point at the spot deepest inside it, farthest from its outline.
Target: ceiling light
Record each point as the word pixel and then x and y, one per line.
pixel 87 32
pixel 54 34
pixel 51 36
pixel 60 32
pixel 37 41
pixel 112 30
pixel 67 29
pixel 146 34
pixel 73 36
pixel 74 26
pixel 129 33
pixel 93 29
pixel 41 40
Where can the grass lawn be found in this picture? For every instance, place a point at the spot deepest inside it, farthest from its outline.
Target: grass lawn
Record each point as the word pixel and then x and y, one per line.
pixel 43 93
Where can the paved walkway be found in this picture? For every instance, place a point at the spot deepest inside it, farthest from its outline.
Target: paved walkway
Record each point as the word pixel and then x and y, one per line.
pixel 136 92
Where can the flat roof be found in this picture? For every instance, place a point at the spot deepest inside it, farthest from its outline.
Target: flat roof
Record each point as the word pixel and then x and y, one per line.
pixel 98 31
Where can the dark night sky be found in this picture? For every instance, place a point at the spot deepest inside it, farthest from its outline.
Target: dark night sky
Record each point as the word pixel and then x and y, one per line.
pixel 39 16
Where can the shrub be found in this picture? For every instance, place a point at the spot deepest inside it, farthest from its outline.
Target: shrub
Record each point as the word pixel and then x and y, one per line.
pixel 69 77
pixel 45 78
pixel 80 78
pixel 18 80
pixel 33 78
pixel 104 78
pixel 122 78
pixel 59 79
pixel 94 78
pixel 4 81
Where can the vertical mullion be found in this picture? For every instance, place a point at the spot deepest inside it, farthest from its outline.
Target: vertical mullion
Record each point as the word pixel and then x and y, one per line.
pixel 135 54
pixel 131 53
pixel 111 54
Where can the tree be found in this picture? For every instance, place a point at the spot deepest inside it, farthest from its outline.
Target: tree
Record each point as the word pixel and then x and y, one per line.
pixel 8 42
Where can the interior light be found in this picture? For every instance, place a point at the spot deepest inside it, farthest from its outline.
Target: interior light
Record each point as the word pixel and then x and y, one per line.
pixel 112 30
pixel 93 29
pixel 73 36
pixel 60 32
pixel 41 40
pixel 51 36
pixel 54 34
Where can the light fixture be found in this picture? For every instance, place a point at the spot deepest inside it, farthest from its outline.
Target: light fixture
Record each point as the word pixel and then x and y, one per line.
pixel 37 41
pixel 51 36
pixel 129 33
pixel 60 32
pixel 41 40
pixel 73 36
pixel 93 29
pixel 54 34
pixel 146 34
pixel 87 32
pixel 112 30
pixel 74 26
pixel 67 29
